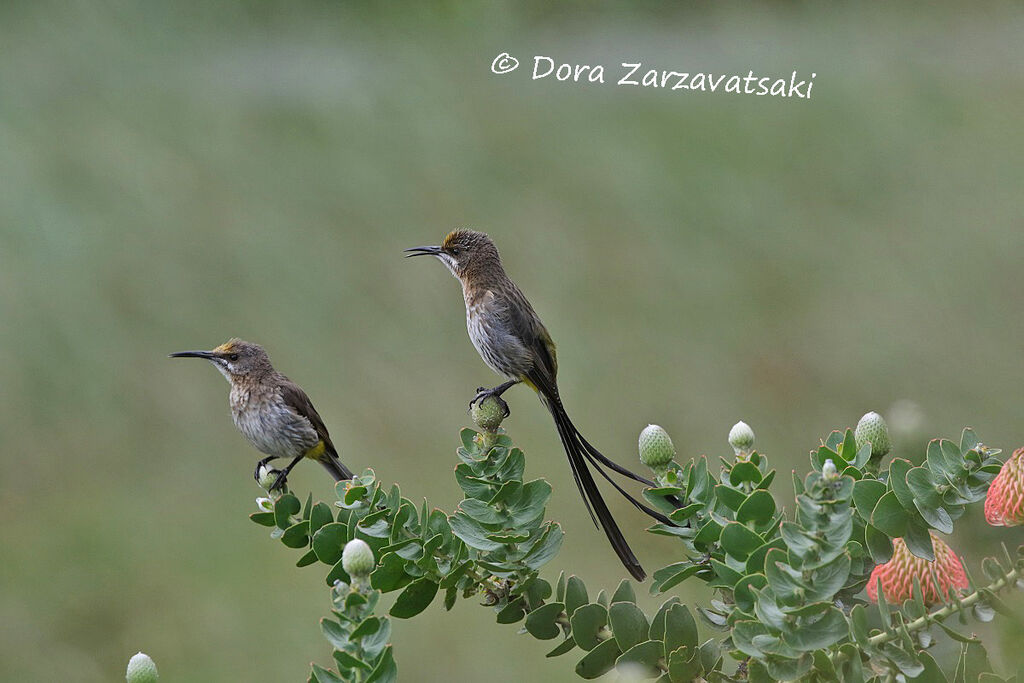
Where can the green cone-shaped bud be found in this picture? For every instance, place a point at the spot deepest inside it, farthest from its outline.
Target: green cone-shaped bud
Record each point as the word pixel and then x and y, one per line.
pixel 741 437
pixel 141 669
pixel 656 449
pixel 873 428
pixel 357 559
pixel 487 414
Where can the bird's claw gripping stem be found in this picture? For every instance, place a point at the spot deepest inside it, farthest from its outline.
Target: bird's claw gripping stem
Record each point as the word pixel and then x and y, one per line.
pixel 483 393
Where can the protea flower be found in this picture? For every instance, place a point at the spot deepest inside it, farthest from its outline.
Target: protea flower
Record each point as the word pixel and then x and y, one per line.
pixel 898 574
pixel 1004 504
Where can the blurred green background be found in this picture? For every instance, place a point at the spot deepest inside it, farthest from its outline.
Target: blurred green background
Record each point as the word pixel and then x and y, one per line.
pixel 177 175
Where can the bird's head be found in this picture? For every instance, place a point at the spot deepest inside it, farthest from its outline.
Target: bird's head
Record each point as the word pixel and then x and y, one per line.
pixel 234 358
pixel 465 253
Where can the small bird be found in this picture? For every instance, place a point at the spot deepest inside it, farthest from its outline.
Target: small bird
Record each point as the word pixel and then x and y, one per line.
pixel 512 341
pixel 271 411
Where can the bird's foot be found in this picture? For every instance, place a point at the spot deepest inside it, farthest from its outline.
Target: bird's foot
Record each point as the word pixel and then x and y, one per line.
pixel 483 393
pixel 257 473
pixel 279 483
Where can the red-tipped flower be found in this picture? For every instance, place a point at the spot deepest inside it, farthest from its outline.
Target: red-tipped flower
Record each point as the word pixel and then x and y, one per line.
pixel 898 574
pixel 1004 504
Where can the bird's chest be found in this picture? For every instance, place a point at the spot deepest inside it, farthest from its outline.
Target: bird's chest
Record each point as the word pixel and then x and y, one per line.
pixel 488 330
pixel 268 426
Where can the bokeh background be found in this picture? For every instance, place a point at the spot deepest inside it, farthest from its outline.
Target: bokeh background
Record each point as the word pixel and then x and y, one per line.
pixel 177 174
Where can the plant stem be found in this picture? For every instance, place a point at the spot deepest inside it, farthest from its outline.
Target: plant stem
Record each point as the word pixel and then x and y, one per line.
pixel 939 614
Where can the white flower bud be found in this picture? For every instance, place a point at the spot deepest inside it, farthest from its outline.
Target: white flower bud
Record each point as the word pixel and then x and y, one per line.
pixel 829 471
pixel 357 559
pixel 741 437
pixel 265 504
pixel 266 476
pixel 141 669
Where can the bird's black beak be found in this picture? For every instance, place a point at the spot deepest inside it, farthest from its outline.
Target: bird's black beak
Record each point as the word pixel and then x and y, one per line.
pixel 208 355
pixel 423 251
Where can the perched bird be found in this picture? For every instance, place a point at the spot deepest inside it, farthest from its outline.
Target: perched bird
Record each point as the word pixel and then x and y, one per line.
pixel 271 411
pixel 512 340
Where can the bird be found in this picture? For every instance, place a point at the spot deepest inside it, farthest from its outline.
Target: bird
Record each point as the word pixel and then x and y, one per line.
pixel 511 339
pixel 272 412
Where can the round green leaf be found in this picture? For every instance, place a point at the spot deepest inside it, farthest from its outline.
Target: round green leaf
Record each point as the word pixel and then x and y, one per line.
pixel 739 541
pixel 540 623
pixel 586 621
pixel 641 660
pixel 889 517
pixel 759 507
pixel 599 661
pixel 629 624
pixel 414 599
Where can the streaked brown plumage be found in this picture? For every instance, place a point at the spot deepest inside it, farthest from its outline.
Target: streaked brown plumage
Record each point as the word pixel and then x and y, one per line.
pixel 270 410
pixel 512 340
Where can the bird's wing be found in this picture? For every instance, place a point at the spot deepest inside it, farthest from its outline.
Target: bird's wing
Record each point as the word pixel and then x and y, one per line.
pixel 296 399
pixel 528 326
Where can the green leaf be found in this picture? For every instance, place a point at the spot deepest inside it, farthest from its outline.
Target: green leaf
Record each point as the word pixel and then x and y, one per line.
pixel 540 623
pixel 286 506
pixel 297 535
pixel 386 671
pixel 481 512
pixel 889 517
pixel 879 545
pixel 546 548
pixel 828 629
pixel 563 647
pixel 414 599
pixel 390 573
pixel 744 472
pixel 263 518
pixel 739 541
pixel 307 559
pixel 624 593
pixel 729 496
pixel 586 621
pixel 512 612
pixel 866 493
pixel 628 623
pixel 743 595
pixel 758 508
pixel 825 581
pixel 329 541
pixel 667 577
pixel 472 532
pixel 919 540
pixel 898 469
pixel 599 661
pixel 657 631
pixel 684 665
pixel 530 504
pixel 367 627
pixel 575 595
pixel 680 628
pixel 348 661
pixel 323 675
pixel 641 660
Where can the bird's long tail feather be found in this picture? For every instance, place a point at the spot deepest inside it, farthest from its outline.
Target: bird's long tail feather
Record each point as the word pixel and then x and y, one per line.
pixel 591 494
pixel 333 465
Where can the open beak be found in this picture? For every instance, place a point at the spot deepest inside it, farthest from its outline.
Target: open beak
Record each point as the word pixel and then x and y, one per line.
pixel 208 355
pixel 423 251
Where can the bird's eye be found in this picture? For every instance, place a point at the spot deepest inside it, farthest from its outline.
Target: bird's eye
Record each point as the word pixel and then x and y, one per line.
pixel 455 251
pixel 233 357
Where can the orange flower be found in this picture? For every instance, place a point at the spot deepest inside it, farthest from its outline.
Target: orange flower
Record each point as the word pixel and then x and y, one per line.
pixel 898 574
pixel 1004 504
